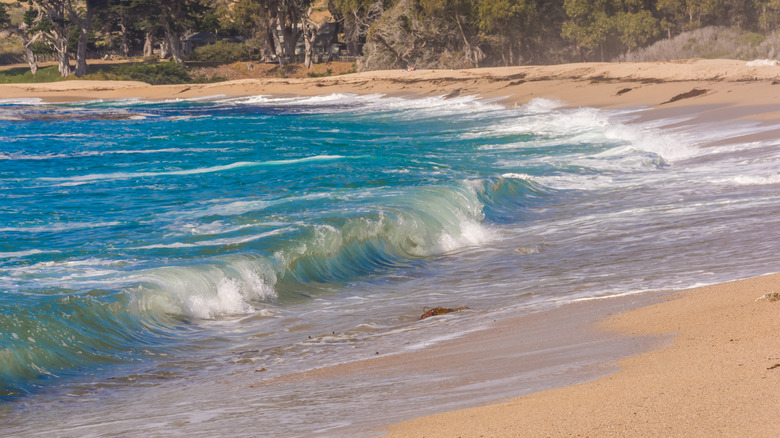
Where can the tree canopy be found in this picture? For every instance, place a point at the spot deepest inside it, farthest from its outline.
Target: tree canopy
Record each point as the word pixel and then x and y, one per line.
pixel 381 33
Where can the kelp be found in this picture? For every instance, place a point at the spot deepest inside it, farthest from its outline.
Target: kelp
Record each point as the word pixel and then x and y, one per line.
pixel 436 311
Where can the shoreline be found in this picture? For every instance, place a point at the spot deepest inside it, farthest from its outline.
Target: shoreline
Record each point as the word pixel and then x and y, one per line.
pixel 599 85
pixel 718 376
pixel 651 393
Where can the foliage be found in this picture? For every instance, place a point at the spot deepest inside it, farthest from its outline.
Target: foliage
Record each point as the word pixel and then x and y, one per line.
pixel 222 51
pixel 4 17
pixel 23 75
pixel 155 74
pixel 328 72
pixel 710 42
pixel 389 33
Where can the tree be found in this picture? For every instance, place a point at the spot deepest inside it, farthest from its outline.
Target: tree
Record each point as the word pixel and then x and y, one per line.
pixel 310 29
pixel 125 23
pixel 769 15
pixel 82 13
pixel 689 14
pixel 54 26
pixel 283 19
pixel 356 18
pixel 636 29
pixel 425 33
pixel 609 25
pixel 173 22
pixel 31 33
pixel 507 22
pixel 4 17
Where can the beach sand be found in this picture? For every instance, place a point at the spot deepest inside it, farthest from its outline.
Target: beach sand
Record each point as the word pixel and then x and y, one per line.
pixel 602 85
pixel 720 376
pixel 708 360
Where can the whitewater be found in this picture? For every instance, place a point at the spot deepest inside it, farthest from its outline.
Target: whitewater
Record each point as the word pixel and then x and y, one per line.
pixel 158 259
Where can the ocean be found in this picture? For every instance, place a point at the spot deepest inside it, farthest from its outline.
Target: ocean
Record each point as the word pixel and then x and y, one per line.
pixel 158 259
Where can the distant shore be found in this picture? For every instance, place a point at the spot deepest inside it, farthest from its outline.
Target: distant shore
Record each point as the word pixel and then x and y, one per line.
pixel 718 372
pixel 603 85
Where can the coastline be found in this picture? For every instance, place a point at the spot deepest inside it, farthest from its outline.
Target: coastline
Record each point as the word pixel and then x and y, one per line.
pixel 601 85
pixel 714 375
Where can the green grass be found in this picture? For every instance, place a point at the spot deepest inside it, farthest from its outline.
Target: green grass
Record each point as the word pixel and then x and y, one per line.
pixel 22 75
pixel 155 74
pixel 328 72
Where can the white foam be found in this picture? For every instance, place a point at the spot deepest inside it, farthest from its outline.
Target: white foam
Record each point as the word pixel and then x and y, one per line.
pixel 763 63
pixel 751 180
pixel 49 156
pixel 541 105
pixel 16 254
pixel 471 233
pixel 80 179
pixel 209 291
pixel 521 176
pixel 22 101
pixel 59 227
pixel 374 103
pixel 218 242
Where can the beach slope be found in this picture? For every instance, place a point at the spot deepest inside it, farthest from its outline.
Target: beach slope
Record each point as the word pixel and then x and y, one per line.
pixel 719 377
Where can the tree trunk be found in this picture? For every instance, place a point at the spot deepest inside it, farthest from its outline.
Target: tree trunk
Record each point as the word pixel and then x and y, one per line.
pixel 125 45
pixel 148 44
pixel 81 53
pixel 309 29
pixel 164 48
pixel 31 60
pixel 63 57
pixel 28 52
pixel 352 34
pixel 174 44
pixel 307 61
pixel 290 34
pixel 274 30
pixel 85 25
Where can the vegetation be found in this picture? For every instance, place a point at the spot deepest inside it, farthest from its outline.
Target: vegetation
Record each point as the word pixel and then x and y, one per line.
pixel 222 52
pixel 155 74
pixel 380 34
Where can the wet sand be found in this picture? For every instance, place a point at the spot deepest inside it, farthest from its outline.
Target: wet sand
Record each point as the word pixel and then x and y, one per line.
pixel 719 376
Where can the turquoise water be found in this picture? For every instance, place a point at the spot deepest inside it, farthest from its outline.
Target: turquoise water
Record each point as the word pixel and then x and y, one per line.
pixel 143 242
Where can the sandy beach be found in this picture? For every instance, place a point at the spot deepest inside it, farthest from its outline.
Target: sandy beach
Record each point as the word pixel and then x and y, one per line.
pixel 718 377
pixel 702 362
pixel 602 85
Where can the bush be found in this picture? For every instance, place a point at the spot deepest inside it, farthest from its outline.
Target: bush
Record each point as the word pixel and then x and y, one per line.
pixel 709 42
pixel 155 74
pixel 222 52
pixel 23 75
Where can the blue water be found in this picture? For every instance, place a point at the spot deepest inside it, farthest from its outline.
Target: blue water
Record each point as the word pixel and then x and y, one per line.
pixel 180 240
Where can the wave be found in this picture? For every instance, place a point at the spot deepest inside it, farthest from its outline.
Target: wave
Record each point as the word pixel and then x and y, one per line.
pixel 26 253
pixel 130 312
pixel 49 156
pixel 81 179
pixel 21 101
pixel 374 104
pixel 58 227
